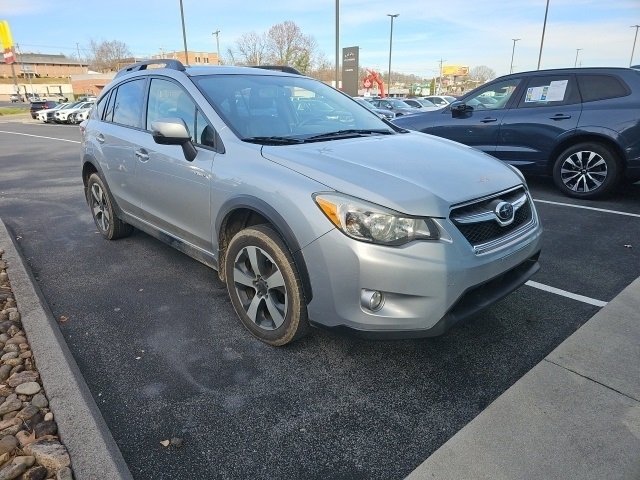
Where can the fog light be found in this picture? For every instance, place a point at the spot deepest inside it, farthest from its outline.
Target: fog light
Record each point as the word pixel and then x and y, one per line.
pixel 372 300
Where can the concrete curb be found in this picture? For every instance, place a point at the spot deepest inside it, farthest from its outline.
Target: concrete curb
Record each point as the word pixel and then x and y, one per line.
pixel 94 453
pixel 575 415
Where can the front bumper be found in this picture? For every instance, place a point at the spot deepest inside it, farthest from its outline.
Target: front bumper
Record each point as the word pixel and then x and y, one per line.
pixel 428 286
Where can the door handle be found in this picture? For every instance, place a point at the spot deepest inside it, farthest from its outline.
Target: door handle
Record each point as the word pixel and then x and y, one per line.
pixel 489 120
pixel 142 155
pixel 100 138
pixel 560 116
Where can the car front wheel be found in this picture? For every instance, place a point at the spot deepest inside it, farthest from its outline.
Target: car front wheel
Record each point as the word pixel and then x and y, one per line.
pixel 264 286
pixel 586 170
pixel 104 216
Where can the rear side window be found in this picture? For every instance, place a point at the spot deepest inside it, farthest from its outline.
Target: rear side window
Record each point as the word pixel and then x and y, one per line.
pixel 600 87
pixel 98 112
pixel 550 90
pixel 127 107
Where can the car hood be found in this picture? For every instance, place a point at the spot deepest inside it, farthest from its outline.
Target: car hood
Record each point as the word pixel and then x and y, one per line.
pixel 413 173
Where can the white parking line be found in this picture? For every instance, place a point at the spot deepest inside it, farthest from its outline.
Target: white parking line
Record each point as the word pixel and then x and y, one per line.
pixel 564 293
pixel 588 208
pixel 40 136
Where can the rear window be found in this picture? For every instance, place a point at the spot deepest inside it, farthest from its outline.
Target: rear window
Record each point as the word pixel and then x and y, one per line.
pixel 600 87
pixel 550 90
pixel 125 104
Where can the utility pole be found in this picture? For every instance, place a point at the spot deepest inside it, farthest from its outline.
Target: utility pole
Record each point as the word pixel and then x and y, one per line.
pixel 634 43
pixel 28 73
pixel 217 33
pixel 576 62
pixel 440 77
pixel 79 59
pixel 512 52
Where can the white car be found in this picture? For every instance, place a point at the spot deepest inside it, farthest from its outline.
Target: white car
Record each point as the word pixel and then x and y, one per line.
pixel 62 115
pixel 440 100
pixel 421 103
pixel 47 115
pixel 79 115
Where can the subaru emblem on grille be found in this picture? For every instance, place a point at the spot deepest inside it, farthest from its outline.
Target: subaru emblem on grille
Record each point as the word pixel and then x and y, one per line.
pixel 504 211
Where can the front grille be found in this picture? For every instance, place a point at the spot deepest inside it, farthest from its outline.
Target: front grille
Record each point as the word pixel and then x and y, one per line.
pixel 480 224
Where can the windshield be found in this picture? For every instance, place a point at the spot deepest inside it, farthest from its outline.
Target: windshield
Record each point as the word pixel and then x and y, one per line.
pixel 287 109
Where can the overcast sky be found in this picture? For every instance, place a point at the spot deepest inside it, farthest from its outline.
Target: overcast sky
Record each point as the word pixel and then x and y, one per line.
pixel 459 32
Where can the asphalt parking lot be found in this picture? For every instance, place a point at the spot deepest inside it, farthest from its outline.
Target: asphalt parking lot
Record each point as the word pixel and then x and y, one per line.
pixel 164 356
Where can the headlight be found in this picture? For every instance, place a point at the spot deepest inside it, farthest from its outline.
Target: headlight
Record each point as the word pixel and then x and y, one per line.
pixel 372 223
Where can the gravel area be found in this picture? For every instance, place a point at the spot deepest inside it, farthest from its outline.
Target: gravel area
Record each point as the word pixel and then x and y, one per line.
pixel 30 448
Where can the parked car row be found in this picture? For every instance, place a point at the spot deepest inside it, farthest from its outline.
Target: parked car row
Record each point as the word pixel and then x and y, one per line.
pixel 381 112
pixel 64 112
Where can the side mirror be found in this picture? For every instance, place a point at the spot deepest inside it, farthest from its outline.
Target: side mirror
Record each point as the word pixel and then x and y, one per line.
pixel 174 131
pixel 459 108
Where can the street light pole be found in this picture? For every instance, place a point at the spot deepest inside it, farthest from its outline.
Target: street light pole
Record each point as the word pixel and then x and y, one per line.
pixel 390 44
pixel 634 43
pixel 544 26
pixel 576 62
pixel 512 52
pixel 216 33
pixel 337 44
pixel 184 35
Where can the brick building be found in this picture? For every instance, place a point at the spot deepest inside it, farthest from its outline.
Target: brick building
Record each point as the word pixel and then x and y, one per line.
pixel 193 58
pixel 42 65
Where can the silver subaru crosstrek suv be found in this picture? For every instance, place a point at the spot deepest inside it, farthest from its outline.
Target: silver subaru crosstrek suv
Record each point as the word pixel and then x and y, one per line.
pixel 334 218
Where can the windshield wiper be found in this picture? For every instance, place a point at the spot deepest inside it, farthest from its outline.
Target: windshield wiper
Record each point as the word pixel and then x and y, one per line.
pixel 273 140
pixel 350 133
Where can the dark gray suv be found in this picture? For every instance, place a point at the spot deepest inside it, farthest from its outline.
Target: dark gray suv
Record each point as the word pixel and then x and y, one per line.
pixel 579 125
pixel 341 221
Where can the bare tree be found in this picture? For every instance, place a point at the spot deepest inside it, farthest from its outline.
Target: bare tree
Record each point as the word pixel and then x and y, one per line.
pixel 481 74
pixel 283 44
pixel 249 49
pixel 108 56
pixel 322 68
pixel 287 45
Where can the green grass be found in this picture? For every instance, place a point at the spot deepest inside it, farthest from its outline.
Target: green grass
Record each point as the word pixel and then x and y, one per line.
pixel 13 110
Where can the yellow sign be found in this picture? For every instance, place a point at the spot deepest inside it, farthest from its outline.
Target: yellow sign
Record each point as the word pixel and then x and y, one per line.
pixel 5 35
pixel 454 71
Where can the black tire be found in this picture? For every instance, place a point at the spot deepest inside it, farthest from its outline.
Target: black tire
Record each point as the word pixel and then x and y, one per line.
pixel 586 170
pixel 275 313
pixel 104 216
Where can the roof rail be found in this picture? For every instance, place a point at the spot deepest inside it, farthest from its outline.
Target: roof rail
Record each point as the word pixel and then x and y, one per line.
pixel 280 68
pixel 167 62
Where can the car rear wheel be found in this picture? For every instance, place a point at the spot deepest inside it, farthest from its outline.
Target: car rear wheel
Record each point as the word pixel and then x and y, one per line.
pixel 104 216
pixel 264 286
pixel 586 170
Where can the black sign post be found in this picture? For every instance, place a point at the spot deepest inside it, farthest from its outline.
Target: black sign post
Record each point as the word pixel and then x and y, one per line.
pixel 350 70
